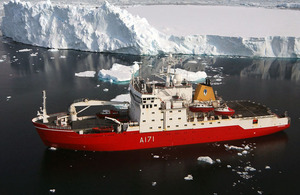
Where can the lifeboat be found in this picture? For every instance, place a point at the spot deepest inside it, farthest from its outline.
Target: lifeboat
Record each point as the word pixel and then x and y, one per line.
pixel 226 111
pixel 108 113
pixel 201 107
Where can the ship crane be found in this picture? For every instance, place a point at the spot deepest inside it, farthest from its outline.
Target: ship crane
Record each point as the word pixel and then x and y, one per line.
pixel 88 103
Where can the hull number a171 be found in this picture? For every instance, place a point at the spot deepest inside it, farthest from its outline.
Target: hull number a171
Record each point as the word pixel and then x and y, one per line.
pixel 147 139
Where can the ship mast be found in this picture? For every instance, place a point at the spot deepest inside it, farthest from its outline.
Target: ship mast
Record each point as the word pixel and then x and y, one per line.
pixel 44 111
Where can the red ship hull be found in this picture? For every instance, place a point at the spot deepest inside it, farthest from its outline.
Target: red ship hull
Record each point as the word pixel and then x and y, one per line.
pixel 68 139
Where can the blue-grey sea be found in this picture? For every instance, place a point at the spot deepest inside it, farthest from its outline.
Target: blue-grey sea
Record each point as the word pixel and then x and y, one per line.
pixel 270 166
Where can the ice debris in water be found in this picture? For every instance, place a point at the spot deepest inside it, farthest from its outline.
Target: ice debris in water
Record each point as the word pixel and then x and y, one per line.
pixel 267 167
pixel 24 50
pixel 248 168
pixel 206 159
pixel 52 190
pixel 233 147
pixel 105 89
pixel 52 148
pixel 34 54
pixel 86 74
pixel 154 183
pixel 118 73
pixel 155 156
pixel 188 177
pixel 8 98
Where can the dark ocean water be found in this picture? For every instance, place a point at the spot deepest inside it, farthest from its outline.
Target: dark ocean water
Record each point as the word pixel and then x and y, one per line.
pixel 28 167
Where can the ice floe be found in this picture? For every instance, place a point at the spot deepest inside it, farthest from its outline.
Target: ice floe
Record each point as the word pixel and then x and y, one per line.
pixel 118 73
pixel 24 50
pixel 122 98
pixel 205 159
pixel 86 74
pixel 188 177
pixel 52 148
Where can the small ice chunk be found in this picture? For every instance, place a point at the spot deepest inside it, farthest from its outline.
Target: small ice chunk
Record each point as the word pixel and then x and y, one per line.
pixel 155 156
pixel 247 147
pixel 233 147
pixel 154 183
pixel 98 85
pixel 52 58
pixel 267 167
pixel 52 190
pixel 218 160
pixel 239 154
pixel 248 168
pixel 105 89
pixel 228 166
pixel 260 192
pixel 206 159
pixel 24 50
pixel 1 60
pixel 62 57
pixel 34 54
pixel 245 152
pixel 52 148
pixel 188 178
pixel 86 74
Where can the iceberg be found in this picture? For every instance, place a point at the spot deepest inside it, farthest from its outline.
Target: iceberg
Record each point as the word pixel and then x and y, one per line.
pixel 118 73
pixel 109 28
pixel 190 76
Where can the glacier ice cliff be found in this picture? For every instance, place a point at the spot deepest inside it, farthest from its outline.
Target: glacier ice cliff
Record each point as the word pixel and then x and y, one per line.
pixel 111 29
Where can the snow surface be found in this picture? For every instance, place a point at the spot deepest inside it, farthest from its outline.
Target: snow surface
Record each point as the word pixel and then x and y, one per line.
pixel 118 73
pixel 111 29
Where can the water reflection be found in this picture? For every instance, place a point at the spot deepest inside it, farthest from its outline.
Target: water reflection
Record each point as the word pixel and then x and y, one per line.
pixel 280 69
pixel 60 63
